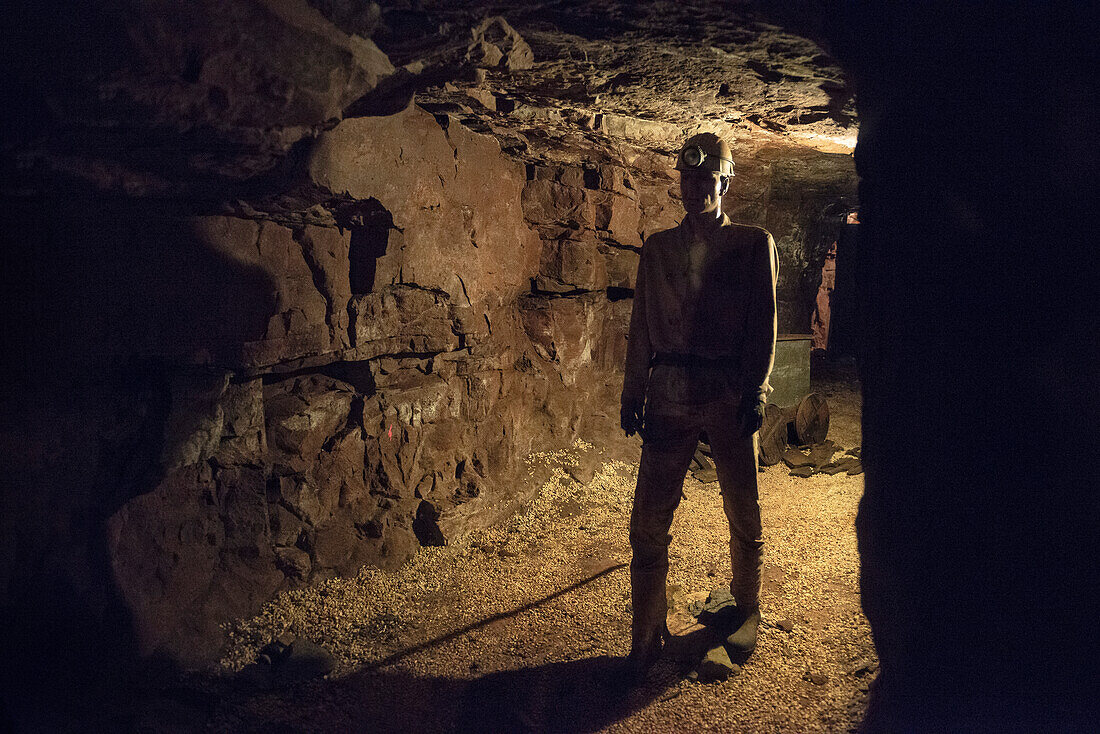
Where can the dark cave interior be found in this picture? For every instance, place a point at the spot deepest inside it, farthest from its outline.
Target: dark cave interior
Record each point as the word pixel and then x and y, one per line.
pixel 294 288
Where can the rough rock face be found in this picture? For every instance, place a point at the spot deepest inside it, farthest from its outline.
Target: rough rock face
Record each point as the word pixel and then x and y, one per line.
pixel 494 43
pixel 452 196
pixel 161 98
pixel 257 344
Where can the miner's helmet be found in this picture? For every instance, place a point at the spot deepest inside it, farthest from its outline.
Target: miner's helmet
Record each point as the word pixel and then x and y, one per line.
pixel 705 152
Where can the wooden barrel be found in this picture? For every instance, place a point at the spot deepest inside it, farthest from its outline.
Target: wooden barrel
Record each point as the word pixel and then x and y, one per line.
pixel 811 420
pixel 773 434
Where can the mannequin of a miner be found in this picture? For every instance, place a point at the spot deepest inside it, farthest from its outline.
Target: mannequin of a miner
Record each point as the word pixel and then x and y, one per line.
pixel 701 346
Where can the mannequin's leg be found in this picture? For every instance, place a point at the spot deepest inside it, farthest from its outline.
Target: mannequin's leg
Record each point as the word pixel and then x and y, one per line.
pixel 667 449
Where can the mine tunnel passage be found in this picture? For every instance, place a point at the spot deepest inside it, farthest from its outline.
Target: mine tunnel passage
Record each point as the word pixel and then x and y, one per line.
pixel 297 290
pixel 525 623
pixel 349 351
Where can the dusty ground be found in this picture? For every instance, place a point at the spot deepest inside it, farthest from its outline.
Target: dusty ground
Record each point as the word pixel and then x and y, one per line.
pixel 521 628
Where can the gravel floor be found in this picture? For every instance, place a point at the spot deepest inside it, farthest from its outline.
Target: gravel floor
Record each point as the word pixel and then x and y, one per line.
pixel 522 627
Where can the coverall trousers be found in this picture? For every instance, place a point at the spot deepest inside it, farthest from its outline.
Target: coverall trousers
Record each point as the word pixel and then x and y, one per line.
pixel 669 441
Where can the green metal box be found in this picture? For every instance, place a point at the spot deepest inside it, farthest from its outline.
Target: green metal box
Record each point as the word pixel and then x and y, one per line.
pixel 790 379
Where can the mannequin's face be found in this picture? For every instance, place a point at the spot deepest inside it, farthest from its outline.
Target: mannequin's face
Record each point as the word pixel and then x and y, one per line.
pixel 702 191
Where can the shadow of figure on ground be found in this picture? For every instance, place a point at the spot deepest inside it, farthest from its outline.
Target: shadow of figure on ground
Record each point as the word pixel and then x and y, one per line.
pixel 576 696
pixel 395 694
pixel 567 696
pixel 584 695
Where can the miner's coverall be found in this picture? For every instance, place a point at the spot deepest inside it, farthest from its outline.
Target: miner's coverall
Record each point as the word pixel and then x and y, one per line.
pixel 702 339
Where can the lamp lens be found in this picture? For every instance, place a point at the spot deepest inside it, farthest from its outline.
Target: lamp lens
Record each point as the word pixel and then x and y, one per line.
pixel 693 156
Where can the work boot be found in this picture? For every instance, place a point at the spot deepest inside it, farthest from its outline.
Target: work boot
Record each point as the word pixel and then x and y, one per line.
pixel 743 640
pixel 644 653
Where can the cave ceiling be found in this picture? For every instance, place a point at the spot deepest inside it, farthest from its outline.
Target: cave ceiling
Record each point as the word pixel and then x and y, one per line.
pixel 680 63
pixel 212 101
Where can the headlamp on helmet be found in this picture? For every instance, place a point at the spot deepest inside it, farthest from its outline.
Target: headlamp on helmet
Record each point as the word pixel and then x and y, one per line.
pixel 706 152
pixel 693 156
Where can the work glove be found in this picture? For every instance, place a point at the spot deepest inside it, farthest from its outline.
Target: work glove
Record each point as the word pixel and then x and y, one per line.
pixel 750 413
pixel 631 415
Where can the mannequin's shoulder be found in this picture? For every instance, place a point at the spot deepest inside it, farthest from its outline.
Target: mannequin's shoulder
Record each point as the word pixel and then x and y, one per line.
pixel 661 239
pixel 747 234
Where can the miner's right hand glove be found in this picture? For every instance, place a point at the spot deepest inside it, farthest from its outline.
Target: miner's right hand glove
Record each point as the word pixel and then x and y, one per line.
pixel 750 413
pixel 631 415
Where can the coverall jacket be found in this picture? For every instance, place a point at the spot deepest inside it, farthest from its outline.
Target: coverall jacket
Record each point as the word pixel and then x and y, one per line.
pixel 702 338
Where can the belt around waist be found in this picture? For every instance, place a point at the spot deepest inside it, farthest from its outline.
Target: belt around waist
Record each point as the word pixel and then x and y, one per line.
pixel 679 359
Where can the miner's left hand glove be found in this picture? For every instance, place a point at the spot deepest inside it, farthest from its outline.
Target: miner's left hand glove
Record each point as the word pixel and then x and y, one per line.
pixel 750 413
pixel 632 415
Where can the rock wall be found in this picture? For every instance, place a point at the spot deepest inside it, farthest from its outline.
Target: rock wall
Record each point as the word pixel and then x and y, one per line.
pixel 300 399
pixel 255 345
